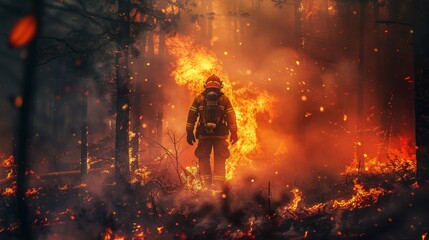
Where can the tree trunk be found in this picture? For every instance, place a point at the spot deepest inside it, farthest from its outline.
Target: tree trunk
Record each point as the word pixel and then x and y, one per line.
pixel 210 20
pixel 162 34
pixel 122 168
pixel 361 85
pixel 24 130
pixel 390 82
pixel 159 121
pixel 298 24
pixel 150 45
pixel 84 135
pixel 137 107
pixel 421 77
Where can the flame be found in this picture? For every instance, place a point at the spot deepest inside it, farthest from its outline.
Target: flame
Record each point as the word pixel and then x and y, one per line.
pixel 9 191
pixel 108 234
pixel 296 199
pixel 332 8
pixel 361 198
pixel 401 159
pixel 249 232
pixel 191 178
pixel 160 228
pixel 8 162
pixel 293 205
pixel 141 175
pixel 194 63
pixel 132 158
pixel 9 165
pixel 315 208
pixel 138 232
pixel 32 191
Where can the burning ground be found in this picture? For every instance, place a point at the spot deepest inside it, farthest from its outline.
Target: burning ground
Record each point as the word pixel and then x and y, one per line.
pixel 369 206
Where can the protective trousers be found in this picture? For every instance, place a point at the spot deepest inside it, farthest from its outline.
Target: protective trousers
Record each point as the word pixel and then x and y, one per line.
pixel 221 153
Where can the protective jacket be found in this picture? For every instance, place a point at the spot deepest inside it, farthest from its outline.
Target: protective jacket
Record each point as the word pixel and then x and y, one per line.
pixel 227 122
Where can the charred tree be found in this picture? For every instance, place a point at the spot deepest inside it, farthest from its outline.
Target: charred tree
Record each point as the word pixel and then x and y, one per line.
pixel 162 33
pixel 137 113
pixel 158 127
pixel 298 24
pixel 24 129
pixel 150 44
pixel 210 17
pixel 389 84
pixel 421 77
pixel 122 168
pixel 84 135
pixel 361 84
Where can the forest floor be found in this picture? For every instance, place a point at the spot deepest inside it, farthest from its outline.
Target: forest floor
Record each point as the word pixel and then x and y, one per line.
pixel 97 210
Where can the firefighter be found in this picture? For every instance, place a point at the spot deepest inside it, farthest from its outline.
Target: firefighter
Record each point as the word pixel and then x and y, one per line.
pixel 216 119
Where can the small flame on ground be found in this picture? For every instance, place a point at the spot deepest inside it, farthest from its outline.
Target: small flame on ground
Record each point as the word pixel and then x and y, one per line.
pixel 361 198
pixel 9 191
pixel 160 228
pixel 400 160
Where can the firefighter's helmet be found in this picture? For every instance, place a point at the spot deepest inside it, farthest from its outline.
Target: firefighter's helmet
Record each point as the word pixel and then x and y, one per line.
pixel 213 82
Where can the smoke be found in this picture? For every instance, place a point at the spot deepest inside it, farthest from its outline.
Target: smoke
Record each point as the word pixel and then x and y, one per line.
pixel 312 126
pixel 294 134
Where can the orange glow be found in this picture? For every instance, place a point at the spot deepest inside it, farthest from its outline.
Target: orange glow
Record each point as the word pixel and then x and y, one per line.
pixel 108 234
pixel 399 159
pixel 18 101
pixel 23 32
pixel 194 63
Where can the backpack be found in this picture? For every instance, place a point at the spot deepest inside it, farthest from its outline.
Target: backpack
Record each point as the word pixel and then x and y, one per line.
pixel 212 118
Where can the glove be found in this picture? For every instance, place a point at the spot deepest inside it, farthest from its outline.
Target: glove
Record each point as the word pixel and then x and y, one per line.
pixel 190 138
pixel 234 138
